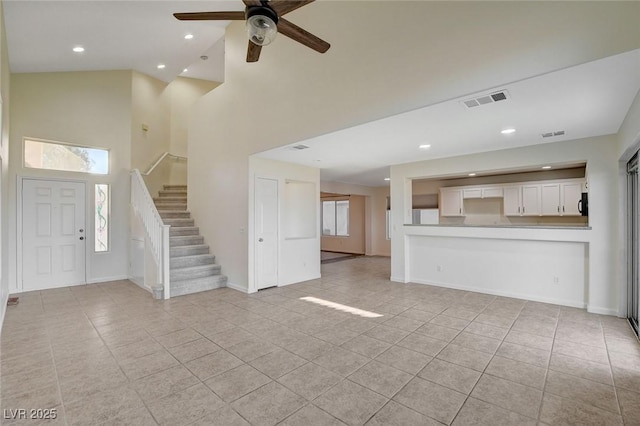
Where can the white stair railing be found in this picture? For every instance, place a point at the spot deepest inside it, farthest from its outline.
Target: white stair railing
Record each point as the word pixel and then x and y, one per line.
pixel 156 231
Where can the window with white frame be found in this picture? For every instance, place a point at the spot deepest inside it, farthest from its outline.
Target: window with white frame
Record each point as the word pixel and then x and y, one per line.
pixel 71 158
pixel 335 218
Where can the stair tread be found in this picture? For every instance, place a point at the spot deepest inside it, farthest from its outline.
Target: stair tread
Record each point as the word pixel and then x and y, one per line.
pixel 177 221
pixel 202 246
pixel 188 281
pixel 197 268
pixel 194 255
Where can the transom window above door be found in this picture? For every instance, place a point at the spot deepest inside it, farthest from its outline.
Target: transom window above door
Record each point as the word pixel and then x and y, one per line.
pixel 47 155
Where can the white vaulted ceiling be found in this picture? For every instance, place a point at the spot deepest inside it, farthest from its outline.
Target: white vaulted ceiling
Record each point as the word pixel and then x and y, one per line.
pixel 136 35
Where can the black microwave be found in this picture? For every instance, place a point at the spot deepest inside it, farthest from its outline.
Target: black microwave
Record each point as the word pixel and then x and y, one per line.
pixel 583 204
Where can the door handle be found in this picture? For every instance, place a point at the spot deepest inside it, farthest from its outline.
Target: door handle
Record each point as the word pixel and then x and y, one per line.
pixel 81 230
pixel 580 206
pixel 260 240
pixel 81 238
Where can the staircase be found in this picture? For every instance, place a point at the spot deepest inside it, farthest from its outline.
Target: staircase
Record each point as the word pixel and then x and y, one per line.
pixel 192 268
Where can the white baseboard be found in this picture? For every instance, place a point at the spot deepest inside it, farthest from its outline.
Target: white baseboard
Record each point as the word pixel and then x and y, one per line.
pixel 602 311
pixel 314 277
pixel 236 287
pixel 398 280
pixel 532 298
pixel 107 279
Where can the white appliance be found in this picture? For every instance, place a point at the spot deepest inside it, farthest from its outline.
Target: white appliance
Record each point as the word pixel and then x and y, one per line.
pixel 426 217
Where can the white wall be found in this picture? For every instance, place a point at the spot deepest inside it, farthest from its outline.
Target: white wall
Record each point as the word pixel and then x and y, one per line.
pixel 83 108
pixel 602 171
pixel 511 267
pixel 298 258
pixel 4 170
pixel 629 133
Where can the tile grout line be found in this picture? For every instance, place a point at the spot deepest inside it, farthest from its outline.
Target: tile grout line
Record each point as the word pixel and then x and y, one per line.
pixel 485 368
pixel 546 372
pixel 613 379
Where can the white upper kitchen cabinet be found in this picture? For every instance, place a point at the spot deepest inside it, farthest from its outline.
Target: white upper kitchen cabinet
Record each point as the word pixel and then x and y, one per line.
pixel 571 194
pixel 531 200
pixel 550 199
pixel 451 202
pixel 512 200
pixel 561 198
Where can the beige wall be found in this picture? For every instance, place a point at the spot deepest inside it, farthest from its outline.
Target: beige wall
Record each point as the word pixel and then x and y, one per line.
pixel 150 106
pixel 184 93
pixel 164 111
pixel 83 108
pixel 356 241
pixel 432 186
pixel 376 243
pixel 4 169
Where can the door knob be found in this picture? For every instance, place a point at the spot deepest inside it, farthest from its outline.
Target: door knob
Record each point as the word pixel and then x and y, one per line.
pixel 81 238
pixel 260 240
pixel 82 230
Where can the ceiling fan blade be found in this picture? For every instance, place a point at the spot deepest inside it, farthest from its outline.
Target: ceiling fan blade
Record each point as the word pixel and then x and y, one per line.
pixel 302 36
pixel 253 52
pixel 285 6
pixel 210 16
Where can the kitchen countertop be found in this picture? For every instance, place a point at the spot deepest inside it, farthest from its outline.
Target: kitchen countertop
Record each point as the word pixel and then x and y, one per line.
pixel 563 227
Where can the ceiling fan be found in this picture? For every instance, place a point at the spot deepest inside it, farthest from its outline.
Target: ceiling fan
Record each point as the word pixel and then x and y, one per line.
pixel 264 21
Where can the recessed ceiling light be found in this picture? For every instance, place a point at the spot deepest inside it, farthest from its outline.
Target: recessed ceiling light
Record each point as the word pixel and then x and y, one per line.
pixel 185 70
pixel 387 179
pixel 78 49
pixel 161 66
pixel 546 167
pixel 508 131
pixel 472 174
pixel 188 36
pixel 425 146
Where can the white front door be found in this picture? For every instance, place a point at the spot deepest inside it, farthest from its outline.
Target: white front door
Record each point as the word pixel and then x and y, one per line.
pixel 53 234
pixel 266 233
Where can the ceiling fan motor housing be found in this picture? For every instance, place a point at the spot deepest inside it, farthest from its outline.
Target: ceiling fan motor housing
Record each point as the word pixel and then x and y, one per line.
pixel 262 24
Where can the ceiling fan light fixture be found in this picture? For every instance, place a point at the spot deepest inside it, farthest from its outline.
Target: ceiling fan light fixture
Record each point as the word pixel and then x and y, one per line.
pixel 262 25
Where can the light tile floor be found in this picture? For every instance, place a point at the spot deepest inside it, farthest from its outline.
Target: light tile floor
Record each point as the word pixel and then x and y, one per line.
pixel 110 354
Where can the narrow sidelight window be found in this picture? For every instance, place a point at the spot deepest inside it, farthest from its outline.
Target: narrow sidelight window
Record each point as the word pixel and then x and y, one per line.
pixel 101 231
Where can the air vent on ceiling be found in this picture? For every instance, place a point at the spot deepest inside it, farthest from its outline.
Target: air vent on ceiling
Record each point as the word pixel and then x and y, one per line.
pixel 299 147
pixel 502 95
pixel 552 134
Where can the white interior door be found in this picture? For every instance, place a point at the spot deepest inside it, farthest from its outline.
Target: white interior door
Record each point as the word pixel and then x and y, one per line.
pixel 53 234
pixel 266 233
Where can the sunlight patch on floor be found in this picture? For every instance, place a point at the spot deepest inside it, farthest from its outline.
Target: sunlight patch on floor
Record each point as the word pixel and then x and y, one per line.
pixel 343 308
